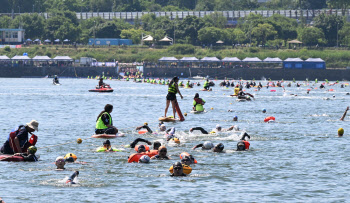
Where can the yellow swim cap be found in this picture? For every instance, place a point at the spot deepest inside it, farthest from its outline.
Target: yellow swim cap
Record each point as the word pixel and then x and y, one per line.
pixel 176 140
pixel 185 114
pixel 145 123
pixel 340 131
pixel 79 140
pixel 71 155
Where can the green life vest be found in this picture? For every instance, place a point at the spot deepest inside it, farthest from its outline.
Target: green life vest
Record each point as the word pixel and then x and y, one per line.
pixel 172 89
pixel 206 84
pixel 100 125
pixel 102 149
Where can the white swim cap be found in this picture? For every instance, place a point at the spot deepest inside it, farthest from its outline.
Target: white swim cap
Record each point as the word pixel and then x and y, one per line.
pixel 59 158
pixel 218 126
pixel 208 145
pixel 144 159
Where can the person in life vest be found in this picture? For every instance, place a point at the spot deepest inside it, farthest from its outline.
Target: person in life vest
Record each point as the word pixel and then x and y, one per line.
pixel 206 85
pixel 188 84
pixel 343 117
pixel 236 90
pixel 198 103
pixel 29 155
pixel 104 123
pixel 107 147
pixel 243 144
pixel 173 89
pixel 17 141
pixel 101 84
pixel 177 170
pixel 162 154
pixel 55 80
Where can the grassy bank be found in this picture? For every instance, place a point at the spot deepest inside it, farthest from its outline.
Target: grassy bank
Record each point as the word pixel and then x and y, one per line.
pixel 333 58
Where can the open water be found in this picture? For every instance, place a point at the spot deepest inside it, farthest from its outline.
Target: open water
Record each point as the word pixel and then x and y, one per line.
pixel 299 158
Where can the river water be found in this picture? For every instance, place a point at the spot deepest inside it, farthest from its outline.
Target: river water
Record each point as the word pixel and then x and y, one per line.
pixel 297 158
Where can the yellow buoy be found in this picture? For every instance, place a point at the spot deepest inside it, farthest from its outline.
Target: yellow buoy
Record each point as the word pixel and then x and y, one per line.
pixel 79 140
pixel 211 108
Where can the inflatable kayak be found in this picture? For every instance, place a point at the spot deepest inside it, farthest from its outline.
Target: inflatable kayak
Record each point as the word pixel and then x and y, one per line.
pixel 106 136
pixel 8 157
pixel 103 89
pixel 168 119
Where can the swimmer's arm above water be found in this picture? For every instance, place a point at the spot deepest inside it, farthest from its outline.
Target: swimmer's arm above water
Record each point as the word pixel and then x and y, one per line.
pixel 146 127
pixel 133 144
pixel 343 117
pixel 199 128
pixel 198 145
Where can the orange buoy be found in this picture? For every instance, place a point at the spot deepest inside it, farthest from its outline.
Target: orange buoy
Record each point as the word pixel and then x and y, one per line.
pixel 142 132
pixel 267 119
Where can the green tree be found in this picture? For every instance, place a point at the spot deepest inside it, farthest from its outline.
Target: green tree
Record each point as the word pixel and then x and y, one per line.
pixel 205 5
pixel 215 19
pixel 311 36
pixel 342 4
pixel 107 30
pixel 34 25
pixel 68 31
pixel 330 24
pixel 210 35
pixel 263 32
pixel 313 4
pixel 5 22
pixel 286 27
pixel 188 28
pixel 133 34
pixel 344 34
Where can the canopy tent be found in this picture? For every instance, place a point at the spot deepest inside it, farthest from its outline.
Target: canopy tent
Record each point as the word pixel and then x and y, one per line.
pixel 210 59
pixel 66 40
pixel 47 41
pixel 168 59
pixel 147 38
pixel 36 40
pixel 293 60
pixel 294 42
pixel 273 60
pixel 41 58
pixel 231 59
pixel 166 39
pixel 57 40
pixel 63 58
pixel 219 42
pixel 4 57
pixel 314 60
pixel 28 40
pixel 254 59
pixel 20 58
pixel 189 59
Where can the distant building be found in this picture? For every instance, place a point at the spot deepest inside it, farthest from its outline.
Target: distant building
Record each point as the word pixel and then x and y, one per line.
pixel 109 41
pixel 11 36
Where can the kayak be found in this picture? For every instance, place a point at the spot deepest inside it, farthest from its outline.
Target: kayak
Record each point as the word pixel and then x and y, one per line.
pixel 3 157
pixel 168 119
pixel 102 90
pixel 107 136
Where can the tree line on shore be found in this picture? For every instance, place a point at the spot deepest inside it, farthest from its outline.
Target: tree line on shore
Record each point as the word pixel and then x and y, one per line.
pixel 326 30
pixel 18 6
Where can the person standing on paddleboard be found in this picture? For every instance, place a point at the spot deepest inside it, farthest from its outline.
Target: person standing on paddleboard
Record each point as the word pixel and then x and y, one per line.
pixel 104 123
pixel 172 91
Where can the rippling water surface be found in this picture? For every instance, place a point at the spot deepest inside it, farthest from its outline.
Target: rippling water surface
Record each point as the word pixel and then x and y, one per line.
pixel 297 158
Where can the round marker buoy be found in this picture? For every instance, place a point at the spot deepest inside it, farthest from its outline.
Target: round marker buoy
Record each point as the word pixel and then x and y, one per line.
pixel 79 140
pixel 185 114
pixel 211 108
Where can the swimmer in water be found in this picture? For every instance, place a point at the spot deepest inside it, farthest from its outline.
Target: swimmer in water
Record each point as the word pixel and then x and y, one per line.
pixel 29 155
pixel 162 154
pixel 340 132
pixel 243 144
pixel 264 110
pixel 106 147
pixel 72 177
pixel 235 118
pixel 178 170
pixel 343 117
pixel 209 145
pixel 218 128
pixel 145 125
pixel 60 162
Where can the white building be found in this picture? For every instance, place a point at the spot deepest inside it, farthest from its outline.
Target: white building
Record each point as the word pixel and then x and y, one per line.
pixel 11 36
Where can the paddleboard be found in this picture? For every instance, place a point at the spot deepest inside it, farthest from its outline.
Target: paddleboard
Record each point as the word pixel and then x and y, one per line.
pixel 206 90
pixel 106 136
pixel 168 119
pixel 197 112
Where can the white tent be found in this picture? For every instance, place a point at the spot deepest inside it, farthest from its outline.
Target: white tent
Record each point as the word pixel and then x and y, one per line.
pixel 147 38
pixel 254 59
pixel 293 60
pixel 20 58
pixel 166 39
pixel 231 59
pixel 41 58
pixel 168 59
pixel 4 57
pixel 314 60
pixel 273 60
pixel 219 42
pixel 210 59
pixel 63 58
pixel 189 59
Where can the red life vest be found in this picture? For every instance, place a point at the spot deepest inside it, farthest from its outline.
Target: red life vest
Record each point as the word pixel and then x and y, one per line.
pixel 246 144
pixel 199 101
pixel 32 141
